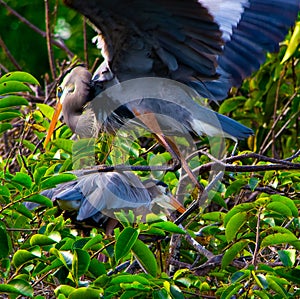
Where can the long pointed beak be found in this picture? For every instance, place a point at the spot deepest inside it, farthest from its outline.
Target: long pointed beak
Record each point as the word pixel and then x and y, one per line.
pixel 53 123
pixel 177 205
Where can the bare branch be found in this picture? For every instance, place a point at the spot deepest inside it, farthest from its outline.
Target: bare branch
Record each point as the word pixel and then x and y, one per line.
pixel 49 39
pixel 9 55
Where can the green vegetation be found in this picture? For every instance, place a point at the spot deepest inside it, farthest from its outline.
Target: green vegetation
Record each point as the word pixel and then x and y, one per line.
pixel 245 242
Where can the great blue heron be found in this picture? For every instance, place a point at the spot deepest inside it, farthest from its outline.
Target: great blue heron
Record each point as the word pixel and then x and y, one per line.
pixel 97 196
pixel 210 45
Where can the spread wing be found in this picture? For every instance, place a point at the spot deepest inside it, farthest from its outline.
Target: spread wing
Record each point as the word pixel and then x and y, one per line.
pixel 183 40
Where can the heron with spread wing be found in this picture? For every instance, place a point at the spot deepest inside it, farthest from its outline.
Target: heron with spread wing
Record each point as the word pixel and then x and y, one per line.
pixel 209 45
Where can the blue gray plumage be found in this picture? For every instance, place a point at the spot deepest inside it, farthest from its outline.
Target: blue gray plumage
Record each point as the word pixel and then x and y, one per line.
pixel 210 45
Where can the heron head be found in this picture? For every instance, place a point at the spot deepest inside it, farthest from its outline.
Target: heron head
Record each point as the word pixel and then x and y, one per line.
pixel 72 95
pixel 161 195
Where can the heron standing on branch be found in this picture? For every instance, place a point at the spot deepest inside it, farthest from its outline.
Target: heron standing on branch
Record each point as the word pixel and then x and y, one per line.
pixel 209 45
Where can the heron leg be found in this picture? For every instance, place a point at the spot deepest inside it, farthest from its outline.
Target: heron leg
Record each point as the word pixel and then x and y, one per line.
pixel 150 120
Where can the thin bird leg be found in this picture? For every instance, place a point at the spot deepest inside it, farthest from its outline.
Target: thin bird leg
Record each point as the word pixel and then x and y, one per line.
pixel 150 121
pixel 172 148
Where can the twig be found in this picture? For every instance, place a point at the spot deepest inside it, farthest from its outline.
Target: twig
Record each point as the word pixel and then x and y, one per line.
pixel 254 261
pixel 85 43
pixel 9 55
pixel 49 41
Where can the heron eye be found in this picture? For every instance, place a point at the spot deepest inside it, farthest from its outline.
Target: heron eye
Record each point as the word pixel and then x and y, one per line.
pixel 59 91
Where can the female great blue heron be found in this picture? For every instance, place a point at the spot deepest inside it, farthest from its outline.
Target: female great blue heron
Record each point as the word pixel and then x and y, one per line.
pixel 209 45
pixel 97 196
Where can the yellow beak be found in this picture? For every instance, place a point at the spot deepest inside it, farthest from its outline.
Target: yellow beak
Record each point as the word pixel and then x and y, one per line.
pixel 53 123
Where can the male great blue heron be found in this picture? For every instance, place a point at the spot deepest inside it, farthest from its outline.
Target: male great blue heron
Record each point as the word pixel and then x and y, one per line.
pixel 210 45
pixel 97 196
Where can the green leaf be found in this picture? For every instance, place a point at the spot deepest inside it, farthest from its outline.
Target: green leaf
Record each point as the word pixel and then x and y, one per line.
pixel 234 224
pixel 97 268
pixel 66 290
pixel 17 286
pixel 19 76
pixel 43 240
pixel 293 44
pixel 5 127
pixel 57 179
pixel 125 241
pixel 280 208
pixel 234 187
pixel 261 294
pixel 87 293
pixel 240 275
pixel 40 199
pixel 12 86
pixel 279 238
pixel 231 104
pixel 232 252
pixel 4 194
pixel 39 174
pixel 81 262
pixel 22 179
pixel 9 115
pixel 47 110
pixel 253 182
pixel 231 290
pixel 169 227
pixel 5 241
pixel 288 257
pixel 23 256
pixel 276 287
pixel 145 257
pixel 176 292
pixel 286 201
pixel 214 216
pixel 290 274
pixel 237 209
pixel 260 280
pixel 128 278
pixel 65 144
pixel 95 240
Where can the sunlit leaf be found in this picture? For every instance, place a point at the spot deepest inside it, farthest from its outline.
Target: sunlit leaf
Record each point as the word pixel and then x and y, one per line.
pixel 12 100
pixel 43 240
pixel 288 257
pixel 19 76
pixel 280 238
pixel 231 253
pixel 125 241
pixel 17 286
pixel 234 224
pixel 12 86
pixel 286 201
pixel 293 43
pixel 80 263
pixel 57 179
pixel 23 256
pixel 145 257
pixel 22 179
pixel 87 293
pixel 40 199
pixel 169 227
